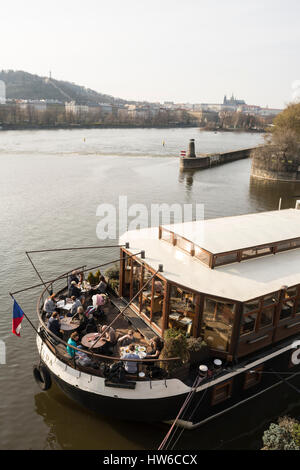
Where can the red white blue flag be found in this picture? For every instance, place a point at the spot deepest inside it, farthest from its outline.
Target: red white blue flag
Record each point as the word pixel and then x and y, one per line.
pixel 18 316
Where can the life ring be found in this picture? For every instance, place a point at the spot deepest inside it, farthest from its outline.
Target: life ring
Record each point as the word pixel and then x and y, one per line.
pixel 42 377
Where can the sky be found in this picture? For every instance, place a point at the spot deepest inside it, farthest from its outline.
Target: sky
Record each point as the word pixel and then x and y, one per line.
pixel 186 51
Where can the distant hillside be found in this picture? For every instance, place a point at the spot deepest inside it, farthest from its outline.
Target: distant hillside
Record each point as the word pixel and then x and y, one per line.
pixel 23 85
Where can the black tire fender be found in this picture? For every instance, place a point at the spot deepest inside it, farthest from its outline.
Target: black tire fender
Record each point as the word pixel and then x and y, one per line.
pixel 42 377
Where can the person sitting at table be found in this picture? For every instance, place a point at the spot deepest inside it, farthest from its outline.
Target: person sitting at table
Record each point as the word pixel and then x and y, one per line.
pixel 76 304
pixel 156 348
pixel 83 321
pixel 73 277
pixel 49 305
pixel 74 290
pixel 131 367
pixel 74 338
pixel 91 325
pixel 110 338
pixel 54 325
pixel 102 286
pixel 127 339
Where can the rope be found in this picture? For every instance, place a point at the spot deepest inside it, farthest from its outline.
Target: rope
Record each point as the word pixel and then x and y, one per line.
pixel 185 404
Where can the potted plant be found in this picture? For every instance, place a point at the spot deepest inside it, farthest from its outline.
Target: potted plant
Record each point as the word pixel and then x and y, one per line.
pixel 112 275
pixel 175 345
pixel 198 350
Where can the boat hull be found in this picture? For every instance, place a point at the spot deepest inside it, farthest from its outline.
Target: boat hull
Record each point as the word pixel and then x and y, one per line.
pixel 161 400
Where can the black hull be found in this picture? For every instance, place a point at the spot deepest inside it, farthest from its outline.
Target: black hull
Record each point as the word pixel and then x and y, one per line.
pixel 200 408
pixel 129 410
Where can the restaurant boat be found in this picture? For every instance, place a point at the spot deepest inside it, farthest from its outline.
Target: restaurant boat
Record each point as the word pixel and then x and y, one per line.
pixel 234 282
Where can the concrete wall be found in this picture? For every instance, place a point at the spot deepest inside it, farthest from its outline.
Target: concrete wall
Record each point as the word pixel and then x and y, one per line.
pixel 274 164
pixel 213 159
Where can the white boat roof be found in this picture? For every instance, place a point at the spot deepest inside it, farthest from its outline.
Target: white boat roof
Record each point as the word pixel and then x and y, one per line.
pixel 237 281
pixel 242 231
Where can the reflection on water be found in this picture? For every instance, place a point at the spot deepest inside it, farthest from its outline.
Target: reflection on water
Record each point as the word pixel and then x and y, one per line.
pixel 267 193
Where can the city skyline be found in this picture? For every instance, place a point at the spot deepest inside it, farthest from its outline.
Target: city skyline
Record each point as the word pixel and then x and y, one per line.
pixel 187 52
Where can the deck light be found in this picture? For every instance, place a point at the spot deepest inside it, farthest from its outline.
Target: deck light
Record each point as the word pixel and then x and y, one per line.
pixel 160 268
pixel 143 254
pixel 127 245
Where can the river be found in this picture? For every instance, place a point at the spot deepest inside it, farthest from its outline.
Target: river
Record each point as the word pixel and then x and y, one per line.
pixel 51 183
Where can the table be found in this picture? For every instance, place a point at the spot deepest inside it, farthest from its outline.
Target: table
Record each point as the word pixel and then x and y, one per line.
pixel 88 341
pixel 63 305
pixel 67 324
pixel 139 350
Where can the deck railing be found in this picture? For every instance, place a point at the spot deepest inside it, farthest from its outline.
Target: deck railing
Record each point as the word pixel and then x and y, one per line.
pixel 60 286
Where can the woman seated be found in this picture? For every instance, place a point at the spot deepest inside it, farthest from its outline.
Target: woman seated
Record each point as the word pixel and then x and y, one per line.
pixel 54 325
pixel 102 286
pixel 74 290
pixel 126 339
pixel 109 337
pixel 83 321
pixel 91 325
pixel 156 348
pixel 49 305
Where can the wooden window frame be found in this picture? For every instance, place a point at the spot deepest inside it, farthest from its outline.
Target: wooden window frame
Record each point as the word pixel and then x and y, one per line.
pixel 216 401
pixel 249 376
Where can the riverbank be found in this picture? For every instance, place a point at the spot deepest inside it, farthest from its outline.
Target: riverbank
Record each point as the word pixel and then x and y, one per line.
pixel 23 127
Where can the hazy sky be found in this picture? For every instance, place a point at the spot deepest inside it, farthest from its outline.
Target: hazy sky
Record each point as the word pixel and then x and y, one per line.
pixel 160 50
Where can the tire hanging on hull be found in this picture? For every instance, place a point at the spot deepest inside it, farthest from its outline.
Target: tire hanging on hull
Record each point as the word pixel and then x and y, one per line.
pixel 42 377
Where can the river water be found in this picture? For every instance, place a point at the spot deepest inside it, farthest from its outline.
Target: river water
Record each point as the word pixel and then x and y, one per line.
pixel 51 183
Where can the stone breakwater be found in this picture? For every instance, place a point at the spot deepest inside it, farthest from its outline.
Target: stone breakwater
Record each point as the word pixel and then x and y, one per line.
pixel 203 161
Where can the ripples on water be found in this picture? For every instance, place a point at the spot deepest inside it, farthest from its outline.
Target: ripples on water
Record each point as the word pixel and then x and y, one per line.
pixel 51 183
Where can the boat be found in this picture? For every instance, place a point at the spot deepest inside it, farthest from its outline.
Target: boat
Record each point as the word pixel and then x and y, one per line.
pixel 233 282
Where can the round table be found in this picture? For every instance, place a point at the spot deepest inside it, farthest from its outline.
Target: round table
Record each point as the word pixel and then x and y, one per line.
pixel 67 324
pixel 141 351
pixel 88 341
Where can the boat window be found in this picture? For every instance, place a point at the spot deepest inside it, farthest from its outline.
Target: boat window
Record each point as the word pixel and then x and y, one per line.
pixel 270 299
pixel 146 294
pixel 291 292
pixel 167 236
pixel 253 252
pixel 136 281
pixel 295 243
pixel 127 274
pixel 286 309
pixel 182 309
pixel 251 306
pixel 221 392
pixel 184 244
pixel 266 318
pixel 283 246
pixel 248 323
pixel 297 308
pixel 253 378
pixel 226 258
pixel 202 255
pixel 218 318
pixel 158 302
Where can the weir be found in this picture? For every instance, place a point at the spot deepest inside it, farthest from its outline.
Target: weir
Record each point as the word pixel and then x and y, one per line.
pixel 202 161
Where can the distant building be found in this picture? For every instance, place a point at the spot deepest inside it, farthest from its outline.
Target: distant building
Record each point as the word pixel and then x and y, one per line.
pixel 232 101
pixel 2 92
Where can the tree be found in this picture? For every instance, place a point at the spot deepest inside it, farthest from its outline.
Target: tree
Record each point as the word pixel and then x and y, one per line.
pixel 288 119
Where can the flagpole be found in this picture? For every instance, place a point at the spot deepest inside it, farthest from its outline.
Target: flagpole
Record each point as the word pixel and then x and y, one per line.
pixel 37 332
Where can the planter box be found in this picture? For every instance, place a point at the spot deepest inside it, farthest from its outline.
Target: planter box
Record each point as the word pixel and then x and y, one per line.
pixel 196 357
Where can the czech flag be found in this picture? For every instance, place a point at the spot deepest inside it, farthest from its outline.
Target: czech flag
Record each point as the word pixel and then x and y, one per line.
pixel 18 316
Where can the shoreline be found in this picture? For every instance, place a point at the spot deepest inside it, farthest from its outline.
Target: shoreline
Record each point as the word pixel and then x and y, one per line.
pixel 120 126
